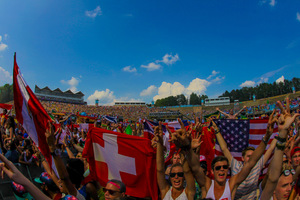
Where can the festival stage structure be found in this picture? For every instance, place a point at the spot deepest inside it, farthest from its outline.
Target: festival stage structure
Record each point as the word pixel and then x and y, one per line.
pixel 46 94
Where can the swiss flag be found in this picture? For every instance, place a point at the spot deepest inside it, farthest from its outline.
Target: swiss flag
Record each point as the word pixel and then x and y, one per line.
pixel 30 113
pixel 130 159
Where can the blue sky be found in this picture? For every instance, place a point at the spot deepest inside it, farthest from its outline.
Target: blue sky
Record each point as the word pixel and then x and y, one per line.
pixel 145 49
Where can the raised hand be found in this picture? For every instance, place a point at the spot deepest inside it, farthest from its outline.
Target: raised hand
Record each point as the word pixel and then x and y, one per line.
pixel 196 140
pixel 286 119
pixel 272 120
pixel 181 138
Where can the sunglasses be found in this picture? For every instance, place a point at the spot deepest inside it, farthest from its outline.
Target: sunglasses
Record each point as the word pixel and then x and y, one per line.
pixel 288 172
pixel 221 166
pixel 179 174
pixel 286 162
pixel 111 192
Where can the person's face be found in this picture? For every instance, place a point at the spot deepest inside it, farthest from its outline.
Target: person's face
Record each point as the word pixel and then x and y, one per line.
pixel 220 171
pixel 231 112
pixel 112 192
pixel 176 158
pixel 177 177
pixel 284 187
pixel 296 159
pixel 247 156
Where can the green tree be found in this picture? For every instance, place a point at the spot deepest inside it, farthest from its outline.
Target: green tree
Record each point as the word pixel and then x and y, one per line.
pixel 6 93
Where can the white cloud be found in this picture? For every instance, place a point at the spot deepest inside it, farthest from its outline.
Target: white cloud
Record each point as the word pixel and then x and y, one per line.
pixel 94 13
pixel 272 3
pixel 298 16
pixel 151 66
pixel 149 91
pixel 129 69
pixel 168 59
pixel 213 73
pixel 197 86
pixel 105 97
pixel 218 79
pixel 248 84
pixel 5 77
pixel 281 79
pixel 73 83
pixel 2 45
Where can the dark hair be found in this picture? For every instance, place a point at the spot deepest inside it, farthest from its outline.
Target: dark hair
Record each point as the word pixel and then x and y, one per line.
pixel 176 165
pixel 203 164
pixel 75 168
pixel 218 159
pixel 120 183
pixel 247 149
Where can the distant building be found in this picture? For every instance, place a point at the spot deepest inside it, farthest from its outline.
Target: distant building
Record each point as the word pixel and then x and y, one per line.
pixel 130 103
pixel 57 95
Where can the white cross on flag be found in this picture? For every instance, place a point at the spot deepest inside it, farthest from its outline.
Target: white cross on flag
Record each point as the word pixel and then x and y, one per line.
pixel 30 113
pixel 127 158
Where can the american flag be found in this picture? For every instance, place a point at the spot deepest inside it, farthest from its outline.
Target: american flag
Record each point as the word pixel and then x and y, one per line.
pixel 173 126
pixel 240 134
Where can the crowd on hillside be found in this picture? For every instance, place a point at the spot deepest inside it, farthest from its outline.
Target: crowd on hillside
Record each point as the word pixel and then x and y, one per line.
pixel 189 175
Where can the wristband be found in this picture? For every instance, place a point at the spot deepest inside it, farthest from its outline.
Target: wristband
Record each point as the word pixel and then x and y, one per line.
pixel 216 132
pixel 266 142
pixel 281 140
pixel 280 146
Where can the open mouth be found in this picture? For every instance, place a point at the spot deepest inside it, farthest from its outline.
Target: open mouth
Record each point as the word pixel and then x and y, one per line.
pixel 177 183
pixel 222 175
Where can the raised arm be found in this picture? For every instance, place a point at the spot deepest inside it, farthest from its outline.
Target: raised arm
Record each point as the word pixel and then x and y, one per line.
pixel 182 139
pixel 236 114
pixel 61 169
pixel 15 175
pixel 284 122
pixel 160 162
pixel 258 152
pixel 222 142
pixel 190 181
pixel 222 112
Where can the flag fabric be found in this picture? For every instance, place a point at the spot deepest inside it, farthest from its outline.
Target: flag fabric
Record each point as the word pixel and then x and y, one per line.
pixel 239 134
pixel 30 113
pixel 3 106
pixel 111 119
pixel 127 158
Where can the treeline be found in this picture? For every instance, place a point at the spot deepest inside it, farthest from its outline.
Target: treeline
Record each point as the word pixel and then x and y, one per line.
pixel 263 90
pixel 6 93
pixel 180 100
pixel 260 91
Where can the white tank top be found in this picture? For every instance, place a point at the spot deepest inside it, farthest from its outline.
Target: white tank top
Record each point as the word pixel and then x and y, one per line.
pixel 182 196
pixel 225 196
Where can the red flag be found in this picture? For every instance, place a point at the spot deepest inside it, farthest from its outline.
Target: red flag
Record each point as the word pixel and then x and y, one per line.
pixel 30 113
pixel 130 159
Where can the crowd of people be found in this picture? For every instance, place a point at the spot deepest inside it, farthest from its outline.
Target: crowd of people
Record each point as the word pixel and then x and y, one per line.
pixel 187 177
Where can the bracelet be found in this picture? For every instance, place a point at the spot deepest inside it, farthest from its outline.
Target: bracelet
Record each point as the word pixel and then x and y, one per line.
pixel 282 140
pixel 266 142
pixel 280 146
pixel 216 132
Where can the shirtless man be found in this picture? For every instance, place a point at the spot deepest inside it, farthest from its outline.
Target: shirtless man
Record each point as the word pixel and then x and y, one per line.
pixel 231 115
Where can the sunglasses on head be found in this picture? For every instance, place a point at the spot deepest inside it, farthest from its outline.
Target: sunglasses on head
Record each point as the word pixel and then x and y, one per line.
pixel 111 192
pixel 179 174
pixel 221 166
pixel 288 172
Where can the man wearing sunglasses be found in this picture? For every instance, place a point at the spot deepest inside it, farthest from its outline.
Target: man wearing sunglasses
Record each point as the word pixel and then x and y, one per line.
pixel 247 189
pixel 114 189
pixel 220 188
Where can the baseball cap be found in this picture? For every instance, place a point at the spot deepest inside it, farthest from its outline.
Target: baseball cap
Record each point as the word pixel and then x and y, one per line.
pixel 20 192
pixel 46 180
pixel 294 150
